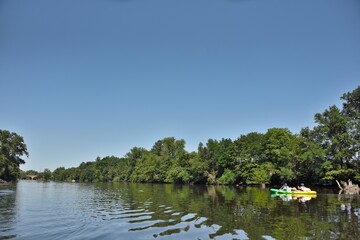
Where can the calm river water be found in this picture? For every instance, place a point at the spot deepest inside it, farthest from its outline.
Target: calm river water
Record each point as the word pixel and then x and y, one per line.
pixel 37 210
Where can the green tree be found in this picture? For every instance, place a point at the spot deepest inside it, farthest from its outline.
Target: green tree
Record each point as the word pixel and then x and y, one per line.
pixel 150 168
pixel 208 154
pixel 333 135
pixel 227 178
pixel 249 147
pixel 132 157
pixel 277 146
pixel 351 109
pixel 12 148
pixel 278 150
pixel 72 174
pixel 261 174
pixel 32 172
pixel 87 172
pixel 309 156
pixel 226 155
pixel 249 155
pixel 59 174
pixel 174 159
pixel 197 168
pixel 169 147
pixel 219 155
pixel 46 174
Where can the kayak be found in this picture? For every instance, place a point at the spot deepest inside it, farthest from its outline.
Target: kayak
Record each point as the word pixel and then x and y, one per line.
pixel 296 197
pixel 296 192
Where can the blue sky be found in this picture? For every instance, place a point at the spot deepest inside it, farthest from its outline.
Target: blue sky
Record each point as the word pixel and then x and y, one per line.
pixel 87 78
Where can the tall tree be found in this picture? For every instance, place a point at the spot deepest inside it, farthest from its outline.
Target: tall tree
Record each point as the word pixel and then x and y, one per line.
pixel 208 154
pixel 278 150
pixel 332 131
pixel 45 175
pixel 351 108
pixel 250 151
pixel 220 156
pixel 59 174
pixel 12 148
pixel 277 146
pixel 308 157
pixel 169 148
pixel 174 159
pixel 249 147
pixel 333 135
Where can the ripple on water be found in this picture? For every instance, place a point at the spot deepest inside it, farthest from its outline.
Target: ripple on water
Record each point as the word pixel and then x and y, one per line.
pixel 80 212
pixel 166 224
pixel 188 217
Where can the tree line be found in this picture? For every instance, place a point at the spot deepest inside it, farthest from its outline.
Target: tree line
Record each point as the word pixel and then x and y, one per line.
pixel 327 152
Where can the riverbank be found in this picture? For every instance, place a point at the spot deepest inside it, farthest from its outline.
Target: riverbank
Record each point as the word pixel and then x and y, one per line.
pixel 3 182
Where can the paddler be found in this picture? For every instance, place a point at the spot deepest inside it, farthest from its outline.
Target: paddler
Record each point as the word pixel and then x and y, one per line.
pixel 303 188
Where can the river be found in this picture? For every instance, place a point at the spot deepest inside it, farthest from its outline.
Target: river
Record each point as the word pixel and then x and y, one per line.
pixel 51 210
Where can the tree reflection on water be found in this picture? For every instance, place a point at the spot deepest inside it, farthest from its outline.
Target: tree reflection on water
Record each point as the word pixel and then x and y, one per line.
pixel 168 211
pixel 238 212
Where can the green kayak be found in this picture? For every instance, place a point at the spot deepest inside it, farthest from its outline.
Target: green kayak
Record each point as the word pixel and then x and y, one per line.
pixel 297 192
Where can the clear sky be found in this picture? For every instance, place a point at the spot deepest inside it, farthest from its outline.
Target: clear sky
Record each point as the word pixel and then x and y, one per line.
pixel 87 78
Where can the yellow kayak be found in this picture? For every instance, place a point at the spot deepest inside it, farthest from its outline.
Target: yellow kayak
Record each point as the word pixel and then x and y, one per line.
pixel 296 192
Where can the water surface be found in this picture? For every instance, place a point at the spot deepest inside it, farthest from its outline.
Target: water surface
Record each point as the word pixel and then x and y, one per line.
pixel 37 210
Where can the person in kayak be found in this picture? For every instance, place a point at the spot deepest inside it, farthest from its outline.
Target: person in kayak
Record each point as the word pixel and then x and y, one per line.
pixel 285 187
pixel 303 188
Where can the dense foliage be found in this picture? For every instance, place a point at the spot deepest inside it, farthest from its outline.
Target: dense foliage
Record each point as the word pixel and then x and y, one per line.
pixel 320 155
pixel 12 148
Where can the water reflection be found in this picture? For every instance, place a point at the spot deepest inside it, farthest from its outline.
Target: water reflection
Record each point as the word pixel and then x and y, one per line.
pixel 7 211
pixel 215 212
pixel 165 211
pixel 298 198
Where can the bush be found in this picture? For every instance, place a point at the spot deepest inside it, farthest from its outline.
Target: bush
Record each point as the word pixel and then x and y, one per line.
pixel 227 178
pixel 259 175
pixel 341 175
